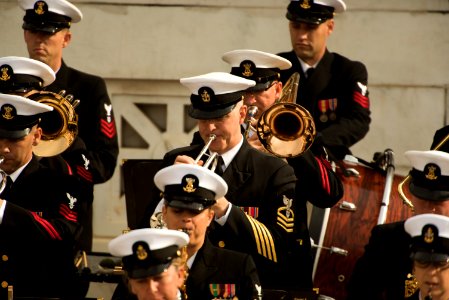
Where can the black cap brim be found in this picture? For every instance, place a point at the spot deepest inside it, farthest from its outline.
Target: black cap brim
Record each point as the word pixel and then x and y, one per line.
pixel 432 195
pixel 14 134
pixel 260 87
pixel 47 28
pixel 306 19
pixel 207 115
pixel 151 271
pixel 190 205
pixel 429 257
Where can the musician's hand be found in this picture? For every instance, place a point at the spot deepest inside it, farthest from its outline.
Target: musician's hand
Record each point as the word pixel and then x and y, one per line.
pixel 184 159
pixel 220 207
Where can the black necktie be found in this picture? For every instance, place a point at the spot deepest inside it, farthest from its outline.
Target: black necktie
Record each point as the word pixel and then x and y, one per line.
pixel 219 169
pixel 309 72
pixel 5 192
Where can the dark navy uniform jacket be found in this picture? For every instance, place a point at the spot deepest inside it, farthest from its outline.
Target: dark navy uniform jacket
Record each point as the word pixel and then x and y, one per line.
pixel 380 273
pixel 337 97
pixel 37 234
pixel 93 155
pixel 217 269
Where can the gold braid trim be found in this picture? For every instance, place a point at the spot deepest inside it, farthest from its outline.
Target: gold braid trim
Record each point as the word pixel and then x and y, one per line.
pixel 264 239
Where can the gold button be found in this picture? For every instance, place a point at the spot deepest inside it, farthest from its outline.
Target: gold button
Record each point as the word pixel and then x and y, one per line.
pixel 4 284
pixel 5 257
pixel 221 244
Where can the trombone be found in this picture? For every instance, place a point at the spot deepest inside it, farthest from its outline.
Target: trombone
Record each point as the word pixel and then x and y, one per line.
pixel 286 129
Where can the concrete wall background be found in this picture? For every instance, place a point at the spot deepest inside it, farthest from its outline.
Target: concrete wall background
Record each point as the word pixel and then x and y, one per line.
pixel 145 46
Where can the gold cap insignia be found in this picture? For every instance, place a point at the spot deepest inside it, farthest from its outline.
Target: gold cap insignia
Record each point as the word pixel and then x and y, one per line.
pixel 205 96
pixel 8 112
pixel 5 72
pixel 305 4
pixel 429 235
pixel 189 187
pixel 430 171
pixel 40 7
pixel 247 68
pixel 141 253
pixel 190 182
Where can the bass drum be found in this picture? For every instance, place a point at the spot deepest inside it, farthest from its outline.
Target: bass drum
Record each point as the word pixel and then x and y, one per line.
pixel 341 232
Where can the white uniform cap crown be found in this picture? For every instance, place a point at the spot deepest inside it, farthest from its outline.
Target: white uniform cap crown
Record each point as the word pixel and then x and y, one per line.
pixel 419 159
pixel 24 106
pixel 414 225
pixel 207 179
pixel 259 58
pixel 155 238
pixel 28 66
pixel 61 7
pixel 219 82
pixel 338 5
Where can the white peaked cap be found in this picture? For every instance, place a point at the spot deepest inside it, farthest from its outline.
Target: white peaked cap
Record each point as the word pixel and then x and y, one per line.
pixel 28 66
pixel 60 7
pixel 219 82
pixel 259 58
pixel 24 106
pixel 419 159
pixel 414 225
pixel 155 238
pixel 174 174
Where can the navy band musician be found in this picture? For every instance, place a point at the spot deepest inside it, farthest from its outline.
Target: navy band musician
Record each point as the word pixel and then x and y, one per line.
pixel 259 212
pixel 386 259
pixel 38 210
pixel 93 155
pixel 332 87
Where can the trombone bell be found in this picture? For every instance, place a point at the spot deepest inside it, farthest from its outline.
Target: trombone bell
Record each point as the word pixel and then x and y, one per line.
pixel 60 126
pixel 287 129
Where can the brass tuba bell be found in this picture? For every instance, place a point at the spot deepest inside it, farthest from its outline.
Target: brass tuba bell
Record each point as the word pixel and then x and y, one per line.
pixel 287 129
pixel 60 126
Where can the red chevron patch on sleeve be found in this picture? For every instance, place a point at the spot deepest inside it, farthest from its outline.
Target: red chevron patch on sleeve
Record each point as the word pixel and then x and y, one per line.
pixel 360 99
pixel 47 227
pixel 67 213
pixel 108 129
pixel 83 173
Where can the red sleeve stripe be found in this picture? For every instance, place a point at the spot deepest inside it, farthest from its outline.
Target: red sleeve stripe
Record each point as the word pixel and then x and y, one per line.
pixel 47 226
pixel 69 169
pixel 362 100
pixel 67 213
pixel 82 172
pixel 108 128
pixel 324 176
